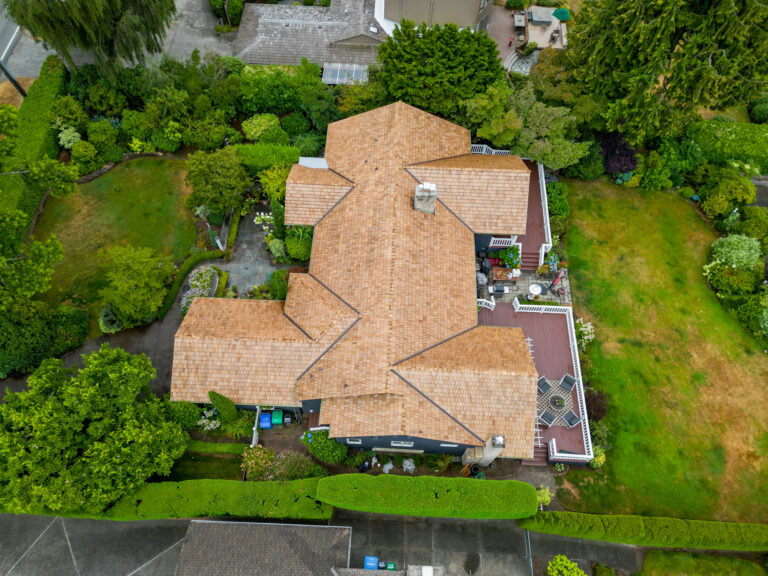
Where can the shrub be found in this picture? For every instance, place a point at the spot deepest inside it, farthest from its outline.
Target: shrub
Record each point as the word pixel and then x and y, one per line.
pixel 598 460
pixel 278 284
pixel 168 139
pixel 255 126
pixel 514 4
pixel 618 155
pixel 600 570
pixel 242 427
pixel 357 457
pixel 759 114
pixel 234 227
pixel 105 100
pixel 186 414
pixel 298 248
pixel 590 167
pixel 309 144
pixel 736 251
pixel 69 329
pixel 295 124
pixel 209 133
pixel 109 323
pixel 597 404
pixel 664 563
pixel 68 113
pixel 197 498
pixel 680 157
pixel 291 465
pixel 135 125
pixel 234 9
pixel 278 219
pixel 730 281
pixel 656 174
pixel 275 135
pixel 181 275
pixel 562 566
pixel 68 138
pixel 324 448
pixel 557 198
pixel 530 47
pixel 277 248
pixel 259 157
pixel 101 134
pixel 753 313
pixel 85 155
pixel 224 406
pixel 199 286
pixel 273 182
pixel 429 496
pixel 724 141
pixel 650 531
pixel 754 223
pixel 601 436
pixel 258 463
pixel 725 190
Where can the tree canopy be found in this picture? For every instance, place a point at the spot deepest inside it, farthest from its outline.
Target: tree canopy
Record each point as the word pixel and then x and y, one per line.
pixel 218 180
pixel 657 61
pixel 112 30
pixel 78 440
pixel 436 67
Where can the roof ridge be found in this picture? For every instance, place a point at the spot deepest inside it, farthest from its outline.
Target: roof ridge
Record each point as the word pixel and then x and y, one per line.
pixel 316 279
pixel 443 410
pixel 436 344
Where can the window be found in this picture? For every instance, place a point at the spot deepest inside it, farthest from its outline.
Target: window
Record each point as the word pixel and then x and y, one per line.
pixel 354 441
pixel 400 444
pixel 449 445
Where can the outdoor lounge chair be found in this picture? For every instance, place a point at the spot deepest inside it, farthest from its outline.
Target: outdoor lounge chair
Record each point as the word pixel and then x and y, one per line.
pixel 571 419
pixel 567 382
pixel 544 385
pixel 547 418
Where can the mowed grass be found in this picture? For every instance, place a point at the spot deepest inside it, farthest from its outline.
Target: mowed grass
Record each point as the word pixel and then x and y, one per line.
pixel 140 203
pixel 687 387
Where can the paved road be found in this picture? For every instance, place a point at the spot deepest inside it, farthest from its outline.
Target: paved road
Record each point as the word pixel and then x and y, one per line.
pixel 44 546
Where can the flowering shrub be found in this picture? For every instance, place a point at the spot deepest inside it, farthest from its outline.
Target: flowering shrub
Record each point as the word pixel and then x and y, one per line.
pixel 69 137
pixel 552 261
pixel 510 256
pixel 585 333
pixel 263 464
pixel 599 458
pixel 323 447
pixel 266 221
pixel 199 285
pixel 257 125
pixel 209 421
pixel 277 248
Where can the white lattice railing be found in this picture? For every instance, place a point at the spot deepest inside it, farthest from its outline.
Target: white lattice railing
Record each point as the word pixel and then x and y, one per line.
pixel 483 149
pixel 547 245
pixel 489 304
pixel 568 312
pixel 502 242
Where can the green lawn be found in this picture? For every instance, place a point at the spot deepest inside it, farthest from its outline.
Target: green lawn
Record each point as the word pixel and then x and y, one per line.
pixel 666 563
pixel 686 385
pixel 200 466
pixel 139 203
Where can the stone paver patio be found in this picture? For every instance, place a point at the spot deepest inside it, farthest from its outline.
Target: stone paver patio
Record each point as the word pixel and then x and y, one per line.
pixel 522 287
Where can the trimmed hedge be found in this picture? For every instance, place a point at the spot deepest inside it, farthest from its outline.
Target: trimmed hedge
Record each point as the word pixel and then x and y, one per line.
pixel 652 531
pixel 429 496
pixel 234 225
pixel 196 498
pixel 259 157
pixel 216 447
pixel 723 141
pixel 36 138
pixel 181 275
pixel 664 562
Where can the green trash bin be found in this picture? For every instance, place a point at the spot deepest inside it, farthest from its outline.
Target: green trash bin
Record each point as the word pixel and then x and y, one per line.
pixel 390 566
pixel 277 418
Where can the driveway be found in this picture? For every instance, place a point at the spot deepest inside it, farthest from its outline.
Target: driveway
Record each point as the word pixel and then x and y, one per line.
pixel 193 29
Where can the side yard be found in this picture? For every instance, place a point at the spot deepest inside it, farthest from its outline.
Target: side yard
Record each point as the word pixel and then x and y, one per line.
pixel 683 379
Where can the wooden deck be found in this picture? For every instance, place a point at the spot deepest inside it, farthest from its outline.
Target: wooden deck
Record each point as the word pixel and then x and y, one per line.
pixel 534 229
pixel 548 335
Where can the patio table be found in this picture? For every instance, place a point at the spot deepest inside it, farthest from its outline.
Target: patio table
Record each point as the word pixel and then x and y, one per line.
pixel 535 289
pixel 505 274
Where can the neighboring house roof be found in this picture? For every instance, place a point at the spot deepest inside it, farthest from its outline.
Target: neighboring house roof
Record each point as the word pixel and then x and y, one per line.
pixel 254 549
pixel 494 204
pixel 389 308
pixel 278 34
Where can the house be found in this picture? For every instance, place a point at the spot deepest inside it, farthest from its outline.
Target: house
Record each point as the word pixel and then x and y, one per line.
pixel 346 32
pixel 473 14
pixel 381 341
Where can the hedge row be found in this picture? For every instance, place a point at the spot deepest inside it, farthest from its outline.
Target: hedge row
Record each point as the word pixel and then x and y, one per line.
pixel 652 531
pixel 234 225
pixel 216 447
pixel 723 141
pixel 36 138
pixel 196 498
pixel 259 157
pixel 665 562
pixel 181 275
pixel 429 496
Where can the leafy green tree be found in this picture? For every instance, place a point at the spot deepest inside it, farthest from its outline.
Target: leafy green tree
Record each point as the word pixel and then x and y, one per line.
pixel 78 440
pixel 491 115
pixel 437 67
pixel 25 335
pixel 30 272
pixel 218 180
pixel 113 30
pixel 49 174
pixel 655 62
pixel 136 283
pixel 561 566
pixel 273 182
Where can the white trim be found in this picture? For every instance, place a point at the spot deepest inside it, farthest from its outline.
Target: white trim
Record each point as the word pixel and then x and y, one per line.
pixel 318 428
pixel 444 445
pixel 547 245
pixel 401 444
pixel 354 441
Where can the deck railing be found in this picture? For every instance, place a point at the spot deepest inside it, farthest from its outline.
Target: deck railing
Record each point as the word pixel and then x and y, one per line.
pixel 547 245
pixel 502 242
pixel 568 312
pixel 489 304
pixel 483 149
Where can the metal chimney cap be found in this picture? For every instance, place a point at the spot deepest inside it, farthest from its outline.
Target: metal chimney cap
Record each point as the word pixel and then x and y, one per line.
pixel 498 441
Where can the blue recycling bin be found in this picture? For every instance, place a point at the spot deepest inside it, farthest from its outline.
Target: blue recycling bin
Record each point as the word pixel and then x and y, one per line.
pixel 371 563
pixel 265 421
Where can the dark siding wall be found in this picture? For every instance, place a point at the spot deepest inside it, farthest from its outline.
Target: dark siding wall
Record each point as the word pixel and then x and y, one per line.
pixel 311 406
pixel 384 443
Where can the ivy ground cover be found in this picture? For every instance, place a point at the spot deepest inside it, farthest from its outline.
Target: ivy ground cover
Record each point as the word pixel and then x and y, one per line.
pixel 686 385
pixel 140 203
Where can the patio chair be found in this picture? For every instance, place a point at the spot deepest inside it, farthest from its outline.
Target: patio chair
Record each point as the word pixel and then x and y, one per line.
pixel 571 419
pixel 544 385
pixel 567 382
pixel 547 418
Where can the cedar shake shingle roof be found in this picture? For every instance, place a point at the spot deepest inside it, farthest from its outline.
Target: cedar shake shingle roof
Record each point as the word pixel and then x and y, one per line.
pixel 499 184
pixel 311 193
pixel 389 306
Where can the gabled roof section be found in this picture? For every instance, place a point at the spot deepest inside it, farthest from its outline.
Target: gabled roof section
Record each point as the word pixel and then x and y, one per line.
pixel 314 308
pixel 488 193
pixel 311 193
pixel 484 379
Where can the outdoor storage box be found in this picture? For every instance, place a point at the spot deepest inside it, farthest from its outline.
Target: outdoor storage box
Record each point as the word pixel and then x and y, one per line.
pixel 265 421
pixel 277 418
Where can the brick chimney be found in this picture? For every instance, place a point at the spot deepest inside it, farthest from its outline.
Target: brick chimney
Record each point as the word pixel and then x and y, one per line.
pixel 425 198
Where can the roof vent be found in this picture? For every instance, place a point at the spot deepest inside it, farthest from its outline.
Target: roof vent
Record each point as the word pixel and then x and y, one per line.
pixel 498 441
pixel 425 198
pixel 373 30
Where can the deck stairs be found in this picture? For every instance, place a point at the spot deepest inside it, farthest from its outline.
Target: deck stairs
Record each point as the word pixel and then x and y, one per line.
pixel 510 60
pixel 529 260
pixel 539 457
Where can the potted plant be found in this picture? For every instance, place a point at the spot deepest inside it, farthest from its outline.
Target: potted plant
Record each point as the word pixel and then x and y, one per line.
pixel 510 256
